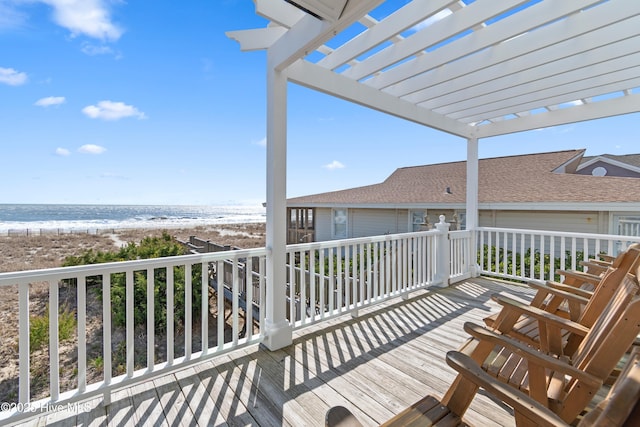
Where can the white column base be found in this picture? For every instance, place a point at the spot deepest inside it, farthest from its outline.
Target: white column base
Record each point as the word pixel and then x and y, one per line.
pixel 277 335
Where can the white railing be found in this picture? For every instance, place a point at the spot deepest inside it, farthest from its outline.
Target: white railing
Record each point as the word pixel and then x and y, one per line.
pixel 536 255
pixel 327 279
pixel 123 290
pixel 459 254
pixel 629 226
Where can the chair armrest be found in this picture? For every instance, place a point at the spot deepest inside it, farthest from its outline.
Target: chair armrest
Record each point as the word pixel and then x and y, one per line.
pixel 565 291
pixel 595 267
pixel 521 402
pixel 541 315
pixel 581 275
pixel 535 356
pixel 607 258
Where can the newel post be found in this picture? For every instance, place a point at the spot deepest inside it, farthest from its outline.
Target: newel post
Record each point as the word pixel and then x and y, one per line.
pixel 442 253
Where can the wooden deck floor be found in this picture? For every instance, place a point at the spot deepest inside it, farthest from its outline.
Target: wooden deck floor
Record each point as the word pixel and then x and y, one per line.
pixel 376 365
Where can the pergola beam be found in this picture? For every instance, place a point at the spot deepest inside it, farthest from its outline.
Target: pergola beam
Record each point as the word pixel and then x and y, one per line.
pixel 309 33
pixel 323 80
pixel 590 111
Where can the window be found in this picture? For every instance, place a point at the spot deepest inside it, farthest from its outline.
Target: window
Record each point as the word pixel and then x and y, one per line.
pixel 418 221
pixel 340 223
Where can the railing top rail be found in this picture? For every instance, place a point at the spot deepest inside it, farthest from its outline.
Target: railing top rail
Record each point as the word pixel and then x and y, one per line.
pixel 563 234
pixel 11 278
pixel 359 240
pixel 460 233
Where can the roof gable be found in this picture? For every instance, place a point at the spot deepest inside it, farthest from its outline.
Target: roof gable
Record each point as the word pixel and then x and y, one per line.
pixel 609 165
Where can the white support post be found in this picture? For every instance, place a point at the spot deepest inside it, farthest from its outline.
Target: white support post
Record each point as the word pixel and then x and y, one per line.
pixel 472 202
pixel 443 254
pixel 278 331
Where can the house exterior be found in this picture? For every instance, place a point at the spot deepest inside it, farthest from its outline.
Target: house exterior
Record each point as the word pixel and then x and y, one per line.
pixel 555 191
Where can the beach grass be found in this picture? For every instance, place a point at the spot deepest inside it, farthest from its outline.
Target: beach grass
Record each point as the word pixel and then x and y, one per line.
pixel 33 252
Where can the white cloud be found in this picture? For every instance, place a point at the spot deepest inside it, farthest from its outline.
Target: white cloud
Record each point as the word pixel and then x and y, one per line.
pixel 334 165
pixel 91 149
pixel 62 152
pixel 12 77
pixel 109 110
pixel 262 142
pixel 88 17
pixel 49 101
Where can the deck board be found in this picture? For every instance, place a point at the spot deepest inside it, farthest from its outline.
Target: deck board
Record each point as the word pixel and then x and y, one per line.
pixel 376 364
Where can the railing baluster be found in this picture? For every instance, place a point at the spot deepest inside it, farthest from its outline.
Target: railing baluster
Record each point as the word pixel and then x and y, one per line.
pixel 82 333
pixel 248 313
pixel 339 273
pixel 204 336
pixel 263 291
pixel 303 287
pixel 151 360
pixel 106 330
pixel 170 314
pixel 130 327
pixel 312 283
pixel 292 287
pixel 321 282
pixel 505 253
pixel 235 303
pixel 23 347
pixel 332 281
pixel 54 341
pixel 220 300
pixel 542 258
pixel 347 281
pixel 552 257
pixel 362 273
pixel 188 309
pixel 376 270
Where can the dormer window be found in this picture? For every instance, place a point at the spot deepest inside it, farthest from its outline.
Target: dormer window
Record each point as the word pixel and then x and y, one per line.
pixel 599 171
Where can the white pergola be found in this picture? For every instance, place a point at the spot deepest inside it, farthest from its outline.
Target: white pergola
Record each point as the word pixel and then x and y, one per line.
pixel 474 69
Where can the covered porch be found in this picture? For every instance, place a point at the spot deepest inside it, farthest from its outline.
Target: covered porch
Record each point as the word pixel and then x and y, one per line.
pixel 365 321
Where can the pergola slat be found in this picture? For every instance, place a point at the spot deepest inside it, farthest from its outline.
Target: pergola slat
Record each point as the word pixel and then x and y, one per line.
pixel 489 37
pixel 446 28
pixel 414 13
pixel 518 87
pixel 552 43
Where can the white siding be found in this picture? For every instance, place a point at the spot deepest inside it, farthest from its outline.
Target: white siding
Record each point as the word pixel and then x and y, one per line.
pixel 579 222
pixel 323 224
pixel 374 222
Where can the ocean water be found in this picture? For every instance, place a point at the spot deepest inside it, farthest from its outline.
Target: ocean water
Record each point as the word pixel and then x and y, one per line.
pixel 20 217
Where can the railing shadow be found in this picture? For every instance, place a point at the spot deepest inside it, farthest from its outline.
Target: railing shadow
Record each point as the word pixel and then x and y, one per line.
pixel 323 367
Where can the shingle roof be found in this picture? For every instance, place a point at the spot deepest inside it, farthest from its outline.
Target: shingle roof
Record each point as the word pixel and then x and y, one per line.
pixel 527 178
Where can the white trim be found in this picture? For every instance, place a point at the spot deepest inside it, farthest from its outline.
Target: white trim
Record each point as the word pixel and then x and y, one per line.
pixel 549 206
pixel 609 161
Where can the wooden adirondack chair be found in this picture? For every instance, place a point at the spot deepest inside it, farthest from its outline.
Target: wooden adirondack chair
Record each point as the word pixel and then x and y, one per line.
pixel 618 407
pixel 517 321
pixel 595 269
pixel 556 295
pixel 564 385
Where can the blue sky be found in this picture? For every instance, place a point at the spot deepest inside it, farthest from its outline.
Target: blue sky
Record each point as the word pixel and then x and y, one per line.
pixel 150 103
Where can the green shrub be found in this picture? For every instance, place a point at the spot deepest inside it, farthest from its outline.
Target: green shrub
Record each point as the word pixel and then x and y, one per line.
pixel 523 268
pixel 149 247
pixel 39 328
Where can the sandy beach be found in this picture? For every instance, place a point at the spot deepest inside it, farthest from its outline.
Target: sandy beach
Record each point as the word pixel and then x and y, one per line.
pixel 19 253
